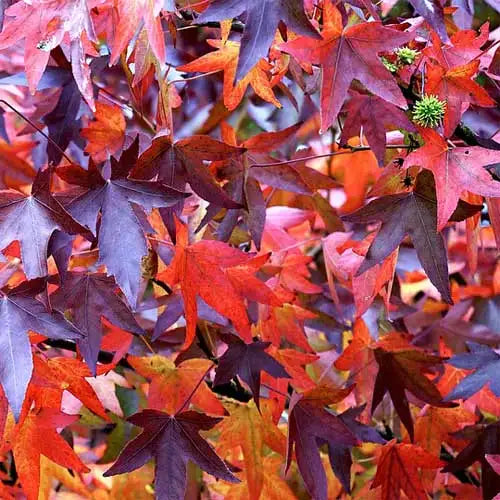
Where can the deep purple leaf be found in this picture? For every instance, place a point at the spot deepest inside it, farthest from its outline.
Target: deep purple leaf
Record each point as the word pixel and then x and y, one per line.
pixel 247 361
pixel 122 243
pixel 172 440
pixel 89 297
pixel 311 426
pixel 412 214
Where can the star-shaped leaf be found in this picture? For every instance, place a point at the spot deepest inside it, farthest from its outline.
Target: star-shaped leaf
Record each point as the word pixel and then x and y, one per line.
pixel 247 361
pixel 486 363
pixel 19 314
pixel 89 297
pixel 67 374
pixel 122 243
pixel 373 115
pixel 456 86
pixel 171 385
pixel 261 22
pixel 251 431
pixel 348 54
pixel 172 440
pixel 398 469
pixel 179 163
pixel 32 220
pixel 484 441
pixel 221 275
pixel 401 368
pixel 35 436
pixel 310 426
pixel 455 170
pixel 412 214
pixel 225 59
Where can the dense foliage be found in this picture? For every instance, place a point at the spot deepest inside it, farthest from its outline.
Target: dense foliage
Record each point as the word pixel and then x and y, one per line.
pixel 249 249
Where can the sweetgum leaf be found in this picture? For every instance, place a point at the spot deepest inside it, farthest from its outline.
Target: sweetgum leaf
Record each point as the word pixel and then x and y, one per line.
pixel 455 170
pixel 172 440
pixel 247 361
pixel 20 313
pixel 486 362
pixel 32 220
pixel 401 369
pixel 346 54
pixel 121 239
pixel 412 214
pixel 63 121
pixel 89 297
pixel 179 163
pixel 373 115
pixel 310 426
pixel 484 440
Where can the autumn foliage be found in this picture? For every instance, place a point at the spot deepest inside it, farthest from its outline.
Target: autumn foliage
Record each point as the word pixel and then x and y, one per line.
pixel 249 249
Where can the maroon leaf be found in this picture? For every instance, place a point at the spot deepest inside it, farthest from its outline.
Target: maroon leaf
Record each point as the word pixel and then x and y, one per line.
pixel 310 426
pixel 412 214
pixel 89 297
pixel 172 440
pixel 373 116
pixel 484 440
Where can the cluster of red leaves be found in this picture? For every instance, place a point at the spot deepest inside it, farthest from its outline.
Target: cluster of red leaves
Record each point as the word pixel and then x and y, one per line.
pixel 224 223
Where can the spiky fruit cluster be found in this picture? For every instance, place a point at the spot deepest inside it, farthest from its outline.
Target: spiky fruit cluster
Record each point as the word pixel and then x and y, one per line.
pixel 389 65
pixel 406 55
pixel 429 111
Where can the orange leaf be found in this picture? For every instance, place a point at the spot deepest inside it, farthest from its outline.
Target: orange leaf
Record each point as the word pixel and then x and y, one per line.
pixel 106 134
pixel 397 469
pixel 172 385
pixel 226 58
pixel 37 436
pixel 221 275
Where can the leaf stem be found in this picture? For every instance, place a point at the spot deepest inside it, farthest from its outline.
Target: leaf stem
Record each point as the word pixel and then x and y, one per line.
pixel 181 80
pixel 275 390
pixel 188 399
pixel 26 119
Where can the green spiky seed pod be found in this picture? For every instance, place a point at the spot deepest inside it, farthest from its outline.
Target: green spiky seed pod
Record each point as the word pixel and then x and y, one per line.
pixel 429 111
pixel 390 66
pixel 406 55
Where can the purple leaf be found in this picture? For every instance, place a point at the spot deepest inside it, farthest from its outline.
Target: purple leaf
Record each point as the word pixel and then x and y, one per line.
pixel 32 220
pixel 247 361
pixel 412 214
pixel 122 243
pixel 373 115
pixel 90 296
pixel 20 312
pixel 485 362
pixel 172 440
pixel 310 426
